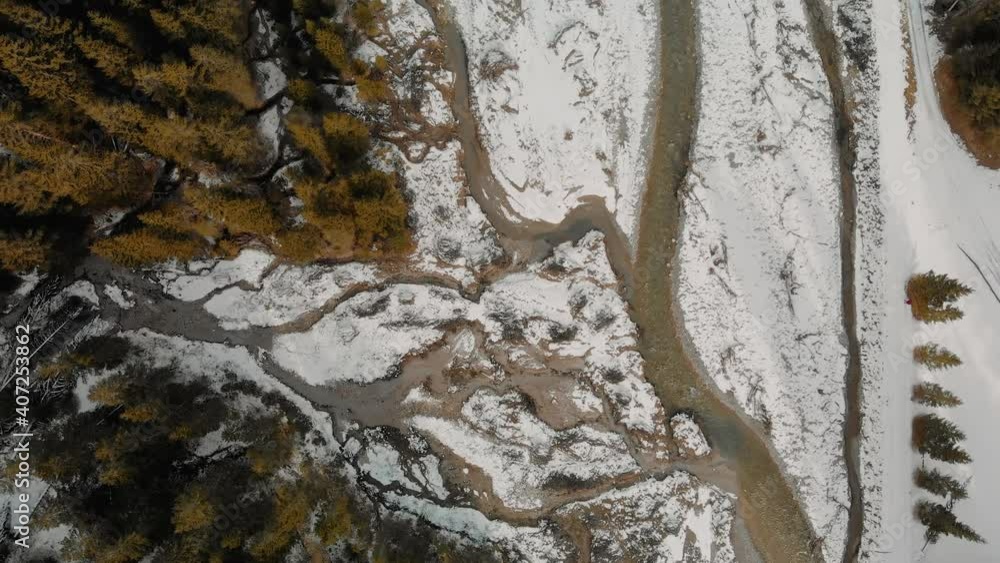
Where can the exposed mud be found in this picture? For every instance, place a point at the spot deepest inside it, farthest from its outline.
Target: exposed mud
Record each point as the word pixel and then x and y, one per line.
pixel 768 508
pixel 770 523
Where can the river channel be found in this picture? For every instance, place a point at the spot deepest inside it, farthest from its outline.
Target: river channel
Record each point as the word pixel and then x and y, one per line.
pixel 768 511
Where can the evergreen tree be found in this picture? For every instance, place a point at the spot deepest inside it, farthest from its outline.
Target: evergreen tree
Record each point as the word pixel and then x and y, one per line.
pixel 107 103
pixel 147 246
pixel 931 296
pixel 182 219
pixel 239 213
pixel 149 457
pixel 935 357
pixel 346 136
pixel 940 521
pixel 310 139
pixel 933 395
pixel 330 45
pixel 302 244
pixel 938 438
pixel 23 253
pixel 940 484
pixel 193 510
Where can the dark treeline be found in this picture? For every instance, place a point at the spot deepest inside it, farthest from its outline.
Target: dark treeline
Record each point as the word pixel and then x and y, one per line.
pixel 970 31
pixel 166 466
pixel 153 106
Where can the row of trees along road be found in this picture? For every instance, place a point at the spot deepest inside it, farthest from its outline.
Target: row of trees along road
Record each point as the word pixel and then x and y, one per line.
pixel 932 299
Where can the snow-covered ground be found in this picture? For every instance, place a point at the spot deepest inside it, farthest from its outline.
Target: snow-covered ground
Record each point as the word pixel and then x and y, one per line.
pixel 673 519
pixel 200 278
pixel 498 434
pixel 521 455
pixel 564 94
pixel 938 201
pixel 759 278
pixel 690 439
pixel 214 360
pixel 566 307
pixel 287 293
pixel 452 235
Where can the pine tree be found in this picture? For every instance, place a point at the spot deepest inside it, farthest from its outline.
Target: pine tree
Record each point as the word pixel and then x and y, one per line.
pixel 193 510
pixel 266 456
pixel 930 296
pixel 181 219
pixel 303 92
pixel 147 246
pixel 112 60
pixel 327 206
pixel 336 521
pixel 108 392
pixel 938 438
pixel 935 357
pixel 301 245
pixel 44 68
pixel 366 15
pixel 933 395
pixel 346 136
pixel 239 213
pixel 940 484
pixel 380 211
pixel 116 30
pixel 940 520
pixel 130 548
pixel 292 510
pixel 226 73
pixel 23 253
pixel 169 82
pixel 373 89
pixel 310 139
pixel 984 101
pixel 330 45
pixel 944 314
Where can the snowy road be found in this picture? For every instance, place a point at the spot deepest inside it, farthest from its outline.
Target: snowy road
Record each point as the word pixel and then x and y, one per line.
pixel 937 200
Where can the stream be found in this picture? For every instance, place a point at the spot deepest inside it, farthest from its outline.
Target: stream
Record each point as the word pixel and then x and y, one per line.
pixel 769 514
pixel 771 525
pixel 829 51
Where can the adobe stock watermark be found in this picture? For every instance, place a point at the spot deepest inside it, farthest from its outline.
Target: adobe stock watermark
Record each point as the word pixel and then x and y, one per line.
pixel 21 507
